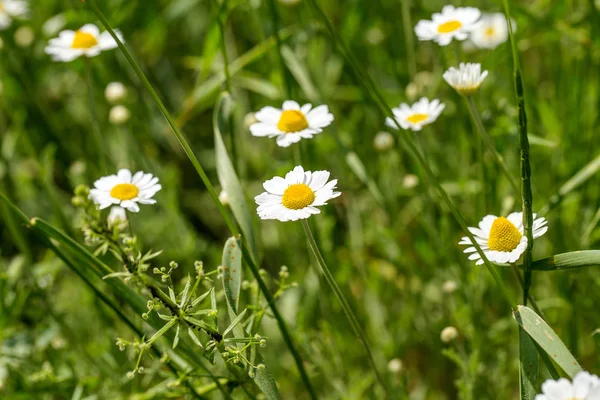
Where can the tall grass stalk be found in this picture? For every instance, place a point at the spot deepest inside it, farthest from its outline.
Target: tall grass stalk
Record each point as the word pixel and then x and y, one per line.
pixel 285 78
pixel 365 80
pixel 489 143
pixel 408 38
pixel 213 194
pixel 100 149
pixel 345 306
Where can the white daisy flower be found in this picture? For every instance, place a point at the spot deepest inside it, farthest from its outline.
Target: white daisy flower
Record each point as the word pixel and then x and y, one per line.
pixel 585 386
pixel 451 23
pixel 10 9
pixel 117 215
pixel 292 123
pixel 296 196
pixel 491 32
pixel 87 41
pixel 466 79
pixel 125 190
pixel 502 239
pixel 416 116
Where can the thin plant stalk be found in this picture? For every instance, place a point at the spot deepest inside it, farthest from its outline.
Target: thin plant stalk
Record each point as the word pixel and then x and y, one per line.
pixel 489 143
pixel 408 38
pixel 365 80
pixel 285 80
pixel 342 299
pixel 100 148
pixel 287 338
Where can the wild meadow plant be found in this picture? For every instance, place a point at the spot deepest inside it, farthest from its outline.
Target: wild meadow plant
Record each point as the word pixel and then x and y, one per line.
pixel 154 284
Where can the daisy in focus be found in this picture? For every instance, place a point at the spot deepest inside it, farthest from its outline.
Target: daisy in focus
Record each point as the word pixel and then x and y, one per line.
pixel 491 32
pixel 86 41
pixel 466 79
pixel 502 239
pixel 125 190
pixel 10 9
pixel 296 196
pixel 414 117
pixel 451 23
pixel 291 123
pixel 585 386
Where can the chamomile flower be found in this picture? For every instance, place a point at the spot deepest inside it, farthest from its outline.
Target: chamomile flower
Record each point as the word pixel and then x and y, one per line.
pixel 296 196
pixel 466 79
pixel 491 32
pixel 10 9
pixel 291 123
pixel 416 116
pixel 125 190
pixel 451 23
pixel 502 239
pixel 86 41
pixel 585 386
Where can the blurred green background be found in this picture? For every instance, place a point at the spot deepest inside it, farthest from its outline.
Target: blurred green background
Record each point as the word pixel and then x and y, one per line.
pixel 391 244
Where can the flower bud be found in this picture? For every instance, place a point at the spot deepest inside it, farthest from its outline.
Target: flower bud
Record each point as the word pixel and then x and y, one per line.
pixel 24 36
pixel 395 365
pixel 383 141
pixel 115 92
pixel 119 115
pixel 449 334
pixel 410 181
pixel 224 198
pixel 449 286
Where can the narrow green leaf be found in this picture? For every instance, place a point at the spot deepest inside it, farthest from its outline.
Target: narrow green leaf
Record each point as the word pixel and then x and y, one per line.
pixel 176 340
pixel 234 322
pixel 265 382
pixel 185 292
pixel 202 297
pixel 574 259
pixel 194 337
pixel 232 272
pixel 358 167
pixel 528 366
pixel 227 176
pixel 162 330
pixel 543 335
pixel 172 295
pixel 300 73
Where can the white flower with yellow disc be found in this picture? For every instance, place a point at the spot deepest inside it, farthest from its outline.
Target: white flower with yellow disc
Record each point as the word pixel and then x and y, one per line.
pixel 491 32
pixel 86 41
pixel 10 9
pixel 465 79
pixel 585 386
pixel 125 190
pixel 502 239
pixel 451 23
pixel 291 123
pixel 296 196
pixel 416 116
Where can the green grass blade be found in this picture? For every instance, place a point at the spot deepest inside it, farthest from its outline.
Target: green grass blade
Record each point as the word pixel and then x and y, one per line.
pixel 543 335
pixel 300 73
pixel 528 366
pixel 571 260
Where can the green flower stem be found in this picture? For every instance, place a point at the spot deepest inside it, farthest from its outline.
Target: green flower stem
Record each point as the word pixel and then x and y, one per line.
pixel 285 79
pixel 365 80
pixel 408 39
pixel 287 338
pixel 489 143
pixel 100 149
pixel 345 306
pixel 526 194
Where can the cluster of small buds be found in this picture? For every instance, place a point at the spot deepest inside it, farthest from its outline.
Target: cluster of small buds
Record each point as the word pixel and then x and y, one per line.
pixel 165 275
pixel 122 344
pixel 199 268
pixel 284 273
pixel 131 374
pixel 220 272
pixel 151 305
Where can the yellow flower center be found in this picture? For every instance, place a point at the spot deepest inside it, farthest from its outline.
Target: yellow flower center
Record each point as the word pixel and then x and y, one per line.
pixel 83 40
pixel 449 26
pixel 292 121
pixel 416 118
pixel 504 235
pixel 490 32
pixel 1 7
pixel 124 191
pixel 298 196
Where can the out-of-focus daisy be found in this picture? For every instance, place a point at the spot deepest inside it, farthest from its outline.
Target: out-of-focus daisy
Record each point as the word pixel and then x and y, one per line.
pixel 451 23
pixel 119 115
pixel 115 92
pixel 117 215
pixel 502 239
pixel 466 79
pixel 585 386
pixel 296 196
pixel 491 32
pixel 125 190
pixel 416 116
pixel 10 9
pixel 86 41
pixel 291 123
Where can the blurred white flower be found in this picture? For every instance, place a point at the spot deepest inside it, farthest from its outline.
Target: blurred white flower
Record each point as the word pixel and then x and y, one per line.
pixel 87 41
pixel 224 198
pixel 395 365
pixel 296 196
pixel 451 23
pixel 125 190
pixel 24 36
pixel 585 386
pixel 52 26
pixel 10 9
pixel 115 91
pixel 416 116
pixel 291 123
pixel 466 79
pixel 502 239
pixel 383 141
pixel 449 334
pixel 410 181
pixel 119 115
pixel 117 215
pixel 449 286
pixel 491 32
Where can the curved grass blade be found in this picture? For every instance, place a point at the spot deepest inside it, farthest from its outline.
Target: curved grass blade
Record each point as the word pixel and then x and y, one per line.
pixel 571 260
pixel 547 339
